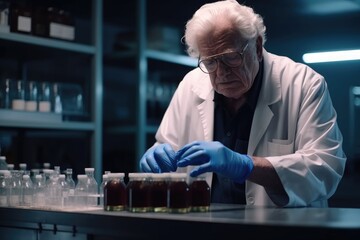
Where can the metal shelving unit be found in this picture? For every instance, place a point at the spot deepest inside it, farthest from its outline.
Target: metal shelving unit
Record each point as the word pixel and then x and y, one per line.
pixel 51 121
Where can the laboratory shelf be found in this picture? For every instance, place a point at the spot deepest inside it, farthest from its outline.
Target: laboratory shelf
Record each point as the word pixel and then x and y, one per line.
pixel 51 43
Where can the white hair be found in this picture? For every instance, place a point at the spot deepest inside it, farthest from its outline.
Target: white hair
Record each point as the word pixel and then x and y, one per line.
pixel 249 24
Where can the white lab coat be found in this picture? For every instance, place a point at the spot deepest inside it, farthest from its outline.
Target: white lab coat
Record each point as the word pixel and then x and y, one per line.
pixel 294 127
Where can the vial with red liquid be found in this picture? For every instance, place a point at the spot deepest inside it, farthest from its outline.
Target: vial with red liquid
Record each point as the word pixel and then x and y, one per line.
pixel 115 192
pixel 138 192
pixel 178 194
pixel 159 187
pixel 200 194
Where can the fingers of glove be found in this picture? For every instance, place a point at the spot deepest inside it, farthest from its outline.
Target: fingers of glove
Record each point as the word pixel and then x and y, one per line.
pixel 207 167
pixel 170 152
pixel 196 157
pixel 164 156
pixel 153 163
pixel 144 166
pixel 185 150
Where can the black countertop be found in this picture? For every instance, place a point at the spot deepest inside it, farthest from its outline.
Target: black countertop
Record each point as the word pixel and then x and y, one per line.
pixel 222 221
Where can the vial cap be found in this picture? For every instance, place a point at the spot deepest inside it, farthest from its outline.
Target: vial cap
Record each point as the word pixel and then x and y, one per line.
pixel 5 172
pixel 139 175
pixel 176 175
pixel 159 176
pixel 116 175
pixel 26 177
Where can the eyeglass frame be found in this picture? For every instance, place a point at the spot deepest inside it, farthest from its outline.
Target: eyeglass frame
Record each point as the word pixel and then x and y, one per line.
pixel 217 56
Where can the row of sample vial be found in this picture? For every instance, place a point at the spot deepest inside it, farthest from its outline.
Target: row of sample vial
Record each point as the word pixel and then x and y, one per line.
pixel 48 189
pixel 30 96
pixel 155 192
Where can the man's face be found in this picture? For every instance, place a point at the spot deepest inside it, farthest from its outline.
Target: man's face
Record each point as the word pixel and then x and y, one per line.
pixel 230 81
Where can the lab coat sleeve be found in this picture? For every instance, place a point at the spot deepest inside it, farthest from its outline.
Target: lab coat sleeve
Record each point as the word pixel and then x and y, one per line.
pixel 312 173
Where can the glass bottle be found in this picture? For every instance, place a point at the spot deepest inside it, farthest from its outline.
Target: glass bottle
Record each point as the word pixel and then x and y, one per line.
pixel 27 191
pixel 18 99
pixel 20 17
pixel 31 96
pixel 3 164
pixel 45 97
pixel 200 194
pixel 105 178
pixel 56 101
pixel 115 192
pixel 138 193
pixel 70 184
pixel 53 189
pixel 178 193
pixel 23 168
pixel 4 187
pixel 39 191
pixel 159 187
pixel 6 94
pixel 93 187
pixel 81 192
pixel 15 188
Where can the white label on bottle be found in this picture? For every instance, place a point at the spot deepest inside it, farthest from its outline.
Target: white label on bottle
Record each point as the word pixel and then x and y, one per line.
pixel 68 32
pixel 44 106
pixel 24 24
pixel 62 31
pixel 18 104
pixel 55 30
pixel 31 106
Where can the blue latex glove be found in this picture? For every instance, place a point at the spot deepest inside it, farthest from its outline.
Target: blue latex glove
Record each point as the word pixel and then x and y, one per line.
pixel 215 157
pixel 160 158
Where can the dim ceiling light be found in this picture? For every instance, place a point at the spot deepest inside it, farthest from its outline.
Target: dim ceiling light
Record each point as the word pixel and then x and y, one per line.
pixel 331 56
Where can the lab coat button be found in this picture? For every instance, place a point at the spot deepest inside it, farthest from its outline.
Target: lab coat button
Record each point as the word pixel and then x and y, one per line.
pixel 228 134
pixel 250 201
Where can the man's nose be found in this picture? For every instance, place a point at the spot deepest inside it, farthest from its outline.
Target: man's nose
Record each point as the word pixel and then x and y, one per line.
pixel 222 68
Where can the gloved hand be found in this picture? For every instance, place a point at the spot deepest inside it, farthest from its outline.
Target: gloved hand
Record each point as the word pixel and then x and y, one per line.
pixel 215 157
pixel 160 158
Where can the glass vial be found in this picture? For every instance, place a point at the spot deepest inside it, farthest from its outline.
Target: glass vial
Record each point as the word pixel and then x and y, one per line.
pixel 18 100
pixel 105 179
pixel 178 194
pixel 115 192
pixel 5 176
pixel 159 187
pixel 138 192
pixel 3 164
pixel 45 97
pixel 39 191
pixel 27 191
pixel 200 194
pixel 6 93
pixel 69 200
pixel 81 192
pixel 31 96
pixel 93 187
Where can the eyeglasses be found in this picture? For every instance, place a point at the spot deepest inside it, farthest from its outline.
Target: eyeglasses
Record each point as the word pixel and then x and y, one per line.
pixel 231 59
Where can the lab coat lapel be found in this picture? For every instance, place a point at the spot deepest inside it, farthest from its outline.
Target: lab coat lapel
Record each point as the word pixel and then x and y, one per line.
pixel 206 111
pixel 269 94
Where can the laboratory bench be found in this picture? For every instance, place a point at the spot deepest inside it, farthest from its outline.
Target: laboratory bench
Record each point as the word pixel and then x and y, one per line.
pixel 221 222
